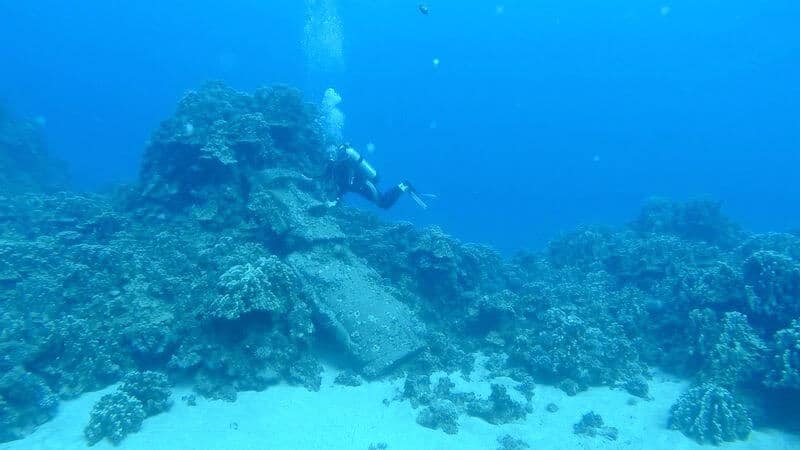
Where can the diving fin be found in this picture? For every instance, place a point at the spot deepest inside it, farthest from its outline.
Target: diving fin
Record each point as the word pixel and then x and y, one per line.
pixel 406 187
pixel 417 198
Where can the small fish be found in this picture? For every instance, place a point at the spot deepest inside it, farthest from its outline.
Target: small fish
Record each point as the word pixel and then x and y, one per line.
pixel 423 9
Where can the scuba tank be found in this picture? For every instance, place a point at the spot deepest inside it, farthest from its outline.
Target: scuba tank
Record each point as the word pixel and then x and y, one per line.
pixel 365 169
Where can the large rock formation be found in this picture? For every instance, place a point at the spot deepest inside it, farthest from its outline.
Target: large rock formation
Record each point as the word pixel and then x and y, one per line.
pixel 257 163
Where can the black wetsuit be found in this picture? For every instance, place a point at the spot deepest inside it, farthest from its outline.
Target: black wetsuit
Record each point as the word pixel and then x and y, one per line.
pixel 348 177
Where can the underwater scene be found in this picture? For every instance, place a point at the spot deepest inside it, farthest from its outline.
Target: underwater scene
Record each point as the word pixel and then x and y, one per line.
pixel 400 225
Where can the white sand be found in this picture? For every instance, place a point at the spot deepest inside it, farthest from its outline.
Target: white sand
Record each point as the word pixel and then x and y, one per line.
pixel 352 418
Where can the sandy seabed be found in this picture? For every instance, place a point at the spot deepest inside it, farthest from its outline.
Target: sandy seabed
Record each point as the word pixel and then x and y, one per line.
pixel 352 418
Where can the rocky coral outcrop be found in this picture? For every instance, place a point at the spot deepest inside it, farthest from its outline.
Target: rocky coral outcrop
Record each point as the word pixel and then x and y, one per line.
pixel 785 372
pixel 25 402
pixel 204 157
pixel 737 353
pixel 710 414
pixel 773 283
pixel 114 417
pixel 440 414
pixel 268 286
pixel 581 329
pixel 694 220
pixel 499 407
pixel 151 388
pixel 25 164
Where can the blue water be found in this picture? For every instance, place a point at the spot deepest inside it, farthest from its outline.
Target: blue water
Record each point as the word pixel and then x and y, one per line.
pixel 539 116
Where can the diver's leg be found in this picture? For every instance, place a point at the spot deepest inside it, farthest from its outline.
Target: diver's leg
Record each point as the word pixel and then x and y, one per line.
pixel 389 198
pixel 368 190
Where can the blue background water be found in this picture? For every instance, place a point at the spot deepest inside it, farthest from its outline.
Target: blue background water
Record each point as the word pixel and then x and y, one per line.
pixel 541 115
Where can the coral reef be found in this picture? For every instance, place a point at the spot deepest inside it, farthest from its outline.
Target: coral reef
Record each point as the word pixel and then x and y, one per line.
pixel 785 371
pixel 268 286
pixel 583 330
pixel 773 283
pixel 710 414
pixel 205 154
pixel 75 357
pixel 150 388
pixel 695 220
pixel 736 354
pixel 114 417
pixel 585 248
pixel 224 267
pixel 25 402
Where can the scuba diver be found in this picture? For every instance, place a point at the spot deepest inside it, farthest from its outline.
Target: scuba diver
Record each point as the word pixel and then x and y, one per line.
pixel 350 172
